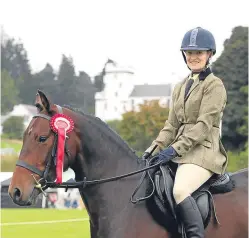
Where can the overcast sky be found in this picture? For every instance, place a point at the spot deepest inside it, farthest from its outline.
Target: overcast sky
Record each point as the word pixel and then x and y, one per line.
pixel 145 35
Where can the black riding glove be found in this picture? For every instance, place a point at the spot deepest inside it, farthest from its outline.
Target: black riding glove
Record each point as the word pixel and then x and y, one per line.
pixel 167 155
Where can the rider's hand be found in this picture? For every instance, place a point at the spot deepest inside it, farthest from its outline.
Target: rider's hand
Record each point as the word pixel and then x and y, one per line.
pixel 167 155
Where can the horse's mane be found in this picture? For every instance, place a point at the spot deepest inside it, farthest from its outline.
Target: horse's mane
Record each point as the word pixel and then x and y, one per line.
pixel 113 135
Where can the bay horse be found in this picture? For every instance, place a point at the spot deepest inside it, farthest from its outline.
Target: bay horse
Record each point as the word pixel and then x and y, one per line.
pixel 95 151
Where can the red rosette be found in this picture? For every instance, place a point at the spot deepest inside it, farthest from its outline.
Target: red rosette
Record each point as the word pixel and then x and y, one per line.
pixel 61 125
pixel 61 121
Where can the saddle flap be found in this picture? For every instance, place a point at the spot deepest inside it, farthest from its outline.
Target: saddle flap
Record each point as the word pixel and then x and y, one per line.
pixel 164 188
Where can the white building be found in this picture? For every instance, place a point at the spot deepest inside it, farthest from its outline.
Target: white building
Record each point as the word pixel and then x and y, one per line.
pixel 24 110
pixel 113 100
pixel 146 92
pixel 121 94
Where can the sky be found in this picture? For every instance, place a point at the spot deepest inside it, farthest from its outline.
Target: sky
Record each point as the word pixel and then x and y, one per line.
pixel 145 35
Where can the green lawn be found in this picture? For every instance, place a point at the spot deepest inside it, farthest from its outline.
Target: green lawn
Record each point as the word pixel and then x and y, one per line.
pixel 71 229
pixel 15 144
pixel 8 161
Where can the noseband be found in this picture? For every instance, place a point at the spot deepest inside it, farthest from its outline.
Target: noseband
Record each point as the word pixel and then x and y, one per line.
pixel 42 183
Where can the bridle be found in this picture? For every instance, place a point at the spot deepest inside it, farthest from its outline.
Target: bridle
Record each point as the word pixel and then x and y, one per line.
pixel 43 183
pixel 44 174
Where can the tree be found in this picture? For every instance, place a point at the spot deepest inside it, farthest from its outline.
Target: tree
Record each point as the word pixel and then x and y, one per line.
pixel 86 93
pixel 78 91
pixel 140 128
pixel 13 127
pixel 15 61
pixel 232 67
pixel 99 79
pixel 115 125
pixel 45 80
pixel 66 83
pixel 99 82
pixel 9 92
pixel 66 70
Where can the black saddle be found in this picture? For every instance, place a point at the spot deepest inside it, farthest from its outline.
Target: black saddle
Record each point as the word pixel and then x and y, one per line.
pixel 162 204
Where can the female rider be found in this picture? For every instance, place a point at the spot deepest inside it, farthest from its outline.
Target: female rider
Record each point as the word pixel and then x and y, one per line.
pixel 191 135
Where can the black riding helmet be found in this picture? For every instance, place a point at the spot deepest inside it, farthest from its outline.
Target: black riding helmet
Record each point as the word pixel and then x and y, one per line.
pixel 198 39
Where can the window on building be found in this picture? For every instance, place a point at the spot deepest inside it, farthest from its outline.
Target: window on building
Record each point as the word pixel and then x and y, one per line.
pixel 105 106
pixel 116 94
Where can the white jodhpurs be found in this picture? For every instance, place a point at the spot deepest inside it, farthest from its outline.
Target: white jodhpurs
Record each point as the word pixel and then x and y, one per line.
pixel 189 177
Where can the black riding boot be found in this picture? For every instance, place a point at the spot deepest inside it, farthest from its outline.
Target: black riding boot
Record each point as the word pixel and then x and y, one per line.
pixel 191 218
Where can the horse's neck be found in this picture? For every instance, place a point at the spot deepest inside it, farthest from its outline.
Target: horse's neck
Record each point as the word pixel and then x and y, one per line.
pixel 109 203
pixel 111 212
pixel 104 154
pixel 109 206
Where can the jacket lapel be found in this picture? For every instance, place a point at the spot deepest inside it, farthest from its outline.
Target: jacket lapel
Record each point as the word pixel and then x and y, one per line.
pixel 195 84
pixel 201 77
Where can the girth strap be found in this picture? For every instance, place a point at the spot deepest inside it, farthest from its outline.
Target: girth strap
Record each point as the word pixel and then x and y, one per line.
pixel 29 167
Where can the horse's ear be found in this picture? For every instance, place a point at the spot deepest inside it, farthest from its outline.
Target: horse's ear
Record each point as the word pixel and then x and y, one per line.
pixel 42 102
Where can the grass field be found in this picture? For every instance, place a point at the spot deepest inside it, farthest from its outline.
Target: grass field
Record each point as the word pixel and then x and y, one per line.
pixel 8 161
pixel 15 144
pixel 46 223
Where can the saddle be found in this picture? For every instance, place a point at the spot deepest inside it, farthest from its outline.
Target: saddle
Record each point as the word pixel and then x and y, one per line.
pixel 162 204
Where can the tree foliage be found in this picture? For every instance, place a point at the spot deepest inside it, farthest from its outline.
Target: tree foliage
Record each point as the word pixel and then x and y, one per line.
pixel 45 80
pixel 140 128
pixel 232 67
pixel 63 88
pixel 14 60
pixel 238 160
pixel 13 127
pixel 9 92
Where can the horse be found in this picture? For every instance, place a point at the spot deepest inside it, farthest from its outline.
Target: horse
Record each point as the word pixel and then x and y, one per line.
pixel 99 157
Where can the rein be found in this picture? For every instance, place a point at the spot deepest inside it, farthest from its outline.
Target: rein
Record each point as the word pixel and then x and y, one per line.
pixel 42 183
pixel 85 182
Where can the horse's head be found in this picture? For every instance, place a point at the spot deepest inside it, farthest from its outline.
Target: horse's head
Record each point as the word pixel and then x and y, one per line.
pixel 37 160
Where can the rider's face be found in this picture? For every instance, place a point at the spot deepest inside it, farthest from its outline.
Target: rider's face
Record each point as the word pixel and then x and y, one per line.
pixel 196 60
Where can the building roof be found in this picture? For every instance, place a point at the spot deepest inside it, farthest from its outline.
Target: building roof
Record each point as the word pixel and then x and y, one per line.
pixel 146 90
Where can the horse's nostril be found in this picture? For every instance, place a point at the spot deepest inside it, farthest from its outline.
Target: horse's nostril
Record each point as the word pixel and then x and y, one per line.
pixel 17 194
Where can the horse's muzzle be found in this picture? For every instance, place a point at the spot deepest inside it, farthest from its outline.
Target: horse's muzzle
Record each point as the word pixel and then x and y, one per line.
pixel 17 198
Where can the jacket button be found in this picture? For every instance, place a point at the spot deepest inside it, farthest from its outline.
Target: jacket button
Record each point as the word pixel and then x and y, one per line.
pixel 178 148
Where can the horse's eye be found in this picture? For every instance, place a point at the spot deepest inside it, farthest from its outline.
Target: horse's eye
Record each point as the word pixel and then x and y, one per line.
pixel 42 139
